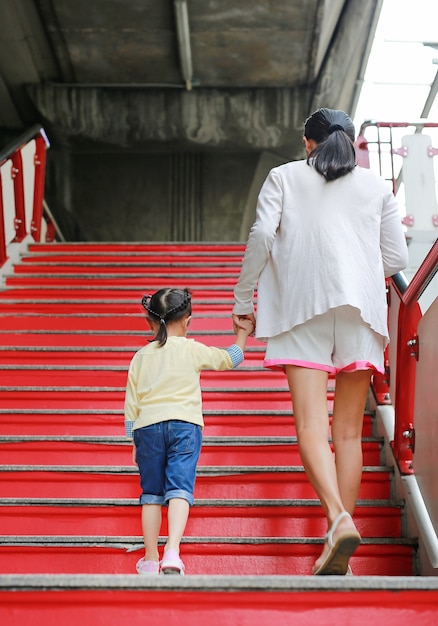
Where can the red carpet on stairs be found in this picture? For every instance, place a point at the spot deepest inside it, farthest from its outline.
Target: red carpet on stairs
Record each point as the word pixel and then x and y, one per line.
pixel 70 321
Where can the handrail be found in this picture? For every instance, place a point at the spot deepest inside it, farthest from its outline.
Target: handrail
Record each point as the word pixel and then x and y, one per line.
pixel 14 153
pixel 23 140
pixel 407 355
pixel 400 281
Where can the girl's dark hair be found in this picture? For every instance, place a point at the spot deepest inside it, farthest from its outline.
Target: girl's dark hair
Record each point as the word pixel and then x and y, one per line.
pixel 167 305
pixel 333 131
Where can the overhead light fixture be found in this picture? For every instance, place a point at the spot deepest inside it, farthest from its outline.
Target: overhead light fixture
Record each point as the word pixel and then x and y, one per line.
pixel 183 33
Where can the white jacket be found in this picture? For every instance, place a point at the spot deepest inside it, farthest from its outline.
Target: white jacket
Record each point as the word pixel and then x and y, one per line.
pixel 316 245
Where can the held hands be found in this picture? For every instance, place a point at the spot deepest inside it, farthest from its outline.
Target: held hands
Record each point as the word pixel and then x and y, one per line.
pixel 247 323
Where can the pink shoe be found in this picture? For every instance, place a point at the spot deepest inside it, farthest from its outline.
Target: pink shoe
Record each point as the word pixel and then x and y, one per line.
pixel 147 568
pixel 171 563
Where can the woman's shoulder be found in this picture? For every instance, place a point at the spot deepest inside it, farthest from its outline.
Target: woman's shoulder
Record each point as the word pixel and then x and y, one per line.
pixel 290 166
pixel 366 172
pixel 368 176
pixel 288 171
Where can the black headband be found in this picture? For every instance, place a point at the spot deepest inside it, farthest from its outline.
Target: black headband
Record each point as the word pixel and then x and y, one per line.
pixel 333 127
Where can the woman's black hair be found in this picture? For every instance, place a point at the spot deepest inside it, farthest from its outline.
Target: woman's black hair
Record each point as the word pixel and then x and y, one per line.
pixel 333 132
pixel 167 305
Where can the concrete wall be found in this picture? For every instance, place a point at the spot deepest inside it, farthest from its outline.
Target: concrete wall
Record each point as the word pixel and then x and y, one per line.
pixel 153 197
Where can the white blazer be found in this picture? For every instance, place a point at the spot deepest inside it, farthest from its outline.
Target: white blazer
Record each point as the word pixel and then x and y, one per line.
pixel 316 245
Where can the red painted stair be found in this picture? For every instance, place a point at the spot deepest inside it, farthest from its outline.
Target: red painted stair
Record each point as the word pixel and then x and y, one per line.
pixel 70 321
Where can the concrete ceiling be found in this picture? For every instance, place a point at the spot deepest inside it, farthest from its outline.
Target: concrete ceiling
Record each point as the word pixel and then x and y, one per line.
pixel 120 72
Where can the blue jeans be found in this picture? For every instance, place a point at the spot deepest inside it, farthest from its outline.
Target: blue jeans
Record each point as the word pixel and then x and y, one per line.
pixel 167 457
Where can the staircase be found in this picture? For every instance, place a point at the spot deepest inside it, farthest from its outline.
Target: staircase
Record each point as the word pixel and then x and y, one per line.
pixel 70 532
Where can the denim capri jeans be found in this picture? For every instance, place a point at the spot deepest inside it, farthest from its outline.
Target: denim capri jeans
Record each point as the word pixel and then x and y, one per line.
pixel 167 457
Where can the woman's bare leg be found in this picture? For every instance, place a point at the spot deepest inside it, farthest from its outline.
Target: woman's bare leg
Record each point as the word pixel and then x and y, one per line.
pixel 350 398
pixel 309 397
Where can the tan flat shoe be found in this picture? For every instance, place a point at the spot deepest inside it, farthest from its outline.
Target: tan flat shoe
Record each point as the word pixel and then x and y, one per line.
pixel 336 561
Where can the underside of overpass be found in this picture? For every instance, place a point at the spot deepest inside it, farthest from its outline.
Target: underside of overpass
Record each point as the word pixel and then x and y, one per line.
pixel 166 115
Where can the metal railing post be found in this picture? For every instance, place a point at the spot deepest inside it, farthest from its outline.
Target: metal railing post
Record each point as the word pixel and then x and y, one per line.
pixel 38 195
pixel 3 253
pixel 20 210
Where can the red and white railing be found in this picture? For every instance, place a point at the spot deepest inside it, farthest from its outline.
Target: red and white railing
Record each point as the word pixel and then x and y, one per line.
pixel 22 176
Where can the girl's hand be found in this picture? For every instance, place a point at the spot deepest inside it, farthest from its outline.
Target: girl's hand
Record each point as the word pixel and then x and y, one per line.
pixel 134 454
pixel 239 323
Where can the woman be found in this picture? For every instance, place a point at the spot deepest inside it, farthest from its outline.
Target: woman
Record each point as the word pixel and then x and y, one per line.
pixel 326 234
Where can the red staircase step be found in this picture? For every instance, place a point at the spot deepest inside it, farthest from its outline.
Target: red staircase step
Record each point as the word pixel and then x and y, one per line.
pixel 189 258
pixel 110 377
pixel 85 355
pixel 208 518
pixel 55 355
pixel 207 559
pixel 216 269
pixel 38 304
pixel 282 482
pixel 94 422
pixel 70 321
pixel 218 600
pixel 162 248
pixel 111 323
pixel 101 451
pixel 115 288
pixel 113 397
pixel 94 338
pixel 232 397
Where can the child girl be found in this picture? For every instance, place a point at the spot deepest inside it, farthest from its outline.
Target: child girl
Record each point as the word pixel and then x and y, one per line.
pixel 163 414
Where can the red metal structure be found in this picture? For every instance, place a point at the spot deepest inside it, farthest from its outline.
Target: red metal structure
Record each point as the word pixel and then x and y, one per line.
pixel 14 154
pixel 378 146
pixel 407 355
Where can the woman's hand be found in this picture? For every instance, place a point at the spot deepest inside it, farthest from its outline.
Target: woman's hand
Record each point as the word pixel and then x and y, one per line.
pixel 237 323
pixel 134 454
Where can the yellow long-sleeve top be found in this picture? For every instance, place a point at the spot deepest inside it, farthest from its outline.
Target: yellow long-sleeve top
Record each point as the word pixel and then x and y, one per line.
pixel 163 382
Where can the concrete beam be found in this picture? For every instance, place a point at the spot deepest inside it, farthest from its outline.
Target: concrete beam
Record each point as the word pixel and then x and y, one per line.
pixel 202 119
pixel 338 84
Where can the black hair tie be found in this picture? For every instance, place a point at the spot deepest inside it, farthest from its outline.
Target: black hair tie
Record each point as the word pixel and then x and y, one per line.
pixel 333 127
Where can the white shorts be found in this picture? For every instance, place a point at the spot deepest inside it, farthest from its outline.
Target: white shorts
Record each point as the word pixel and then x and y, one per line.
pixel 338 340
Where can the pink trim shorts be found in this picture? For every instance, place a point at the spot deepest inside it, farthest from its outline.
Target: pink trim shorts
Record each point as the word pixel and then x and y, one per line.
pixel 338 340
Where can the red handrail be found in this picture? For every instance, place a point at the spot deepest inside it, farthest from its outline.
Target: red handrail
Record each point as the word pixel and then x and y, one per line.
pixel 407 356
pixel 3 255
pixel 14 153
pixel 17 175
pixel 38 195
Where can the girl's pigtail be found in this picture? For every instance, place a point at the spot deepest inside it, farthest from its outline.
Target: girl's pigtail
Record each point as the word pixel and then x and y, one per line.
pixel 167 305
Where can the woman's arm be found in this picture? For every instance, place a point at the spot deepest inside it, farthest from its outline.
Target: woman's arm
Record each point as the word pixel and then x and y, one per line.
pixel 392 238
pixel 260 240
